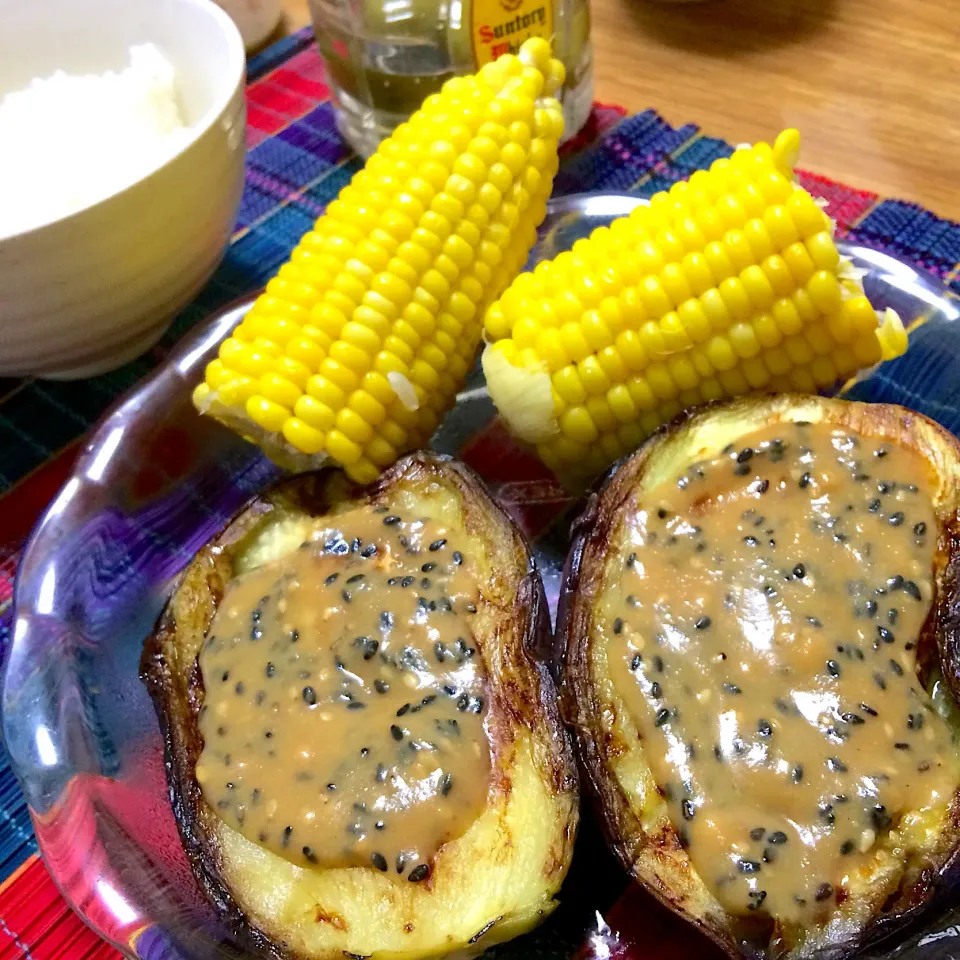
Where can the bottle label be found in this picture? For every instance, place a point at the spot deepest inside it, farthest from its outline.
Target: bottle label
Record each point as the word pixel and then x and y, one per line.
pixel 500 26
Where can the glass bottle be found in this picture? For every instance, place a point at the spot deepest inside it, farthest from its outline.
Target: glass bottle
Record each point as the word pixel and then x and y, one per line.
pixel 383 57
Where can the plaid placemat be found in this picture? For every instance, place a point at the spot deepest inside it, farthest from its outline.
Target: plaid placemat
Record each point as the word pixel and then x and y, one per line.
pixel 297 164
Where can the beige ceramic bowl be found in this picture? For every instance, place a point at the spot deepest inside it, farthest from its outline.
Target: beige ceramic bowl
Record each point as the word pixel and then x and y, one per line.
pixel 85 293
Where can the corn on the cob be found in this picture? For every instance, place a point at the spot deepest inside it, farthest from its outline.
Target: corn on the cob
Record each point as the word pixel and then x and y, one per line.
pixel 362 340
pixel 725 284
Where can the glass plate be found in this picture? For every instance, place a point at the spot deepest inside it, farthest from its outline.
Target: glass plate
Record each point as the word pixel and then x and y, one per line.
pixel 154 482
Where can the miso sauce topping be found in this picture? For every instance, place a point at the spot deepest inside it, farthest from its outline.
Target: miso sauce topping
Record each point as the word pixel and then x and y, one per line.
pixel 343 718
pixel 763 636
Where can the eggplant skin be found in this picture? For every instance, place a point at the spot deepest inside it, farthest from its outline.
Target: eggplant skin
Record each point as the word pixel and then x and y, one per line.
pixel 496 881
pixel 634 817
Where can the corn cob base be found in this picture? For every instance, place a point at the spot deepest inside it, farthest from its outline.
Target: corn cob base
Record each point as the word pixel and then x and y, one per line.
pixel 727 284
pixel 362 340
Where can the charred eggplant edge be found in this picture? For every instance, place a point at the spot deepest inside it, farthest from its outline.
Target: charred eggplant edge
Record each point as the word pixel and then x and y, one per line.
pixel 177 693
pixel 939 642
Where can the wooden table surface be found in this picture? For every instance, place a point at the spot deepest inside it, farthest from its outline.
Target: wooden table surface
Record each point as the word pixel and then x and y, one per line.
pixel 873 85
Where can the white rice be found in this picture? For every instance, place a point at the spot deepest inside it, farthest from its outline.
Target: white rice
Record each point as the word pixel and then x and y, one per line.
pixel 69 141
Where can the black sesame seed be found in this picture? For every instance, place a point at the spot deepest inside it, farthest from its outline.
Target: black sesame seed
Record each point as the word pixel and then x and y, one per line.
pixel 764 728
pixel 309 854
pixel 390 520
pixel 911 589
pixel 757 833
pixel 805 481
pixel 689 810
pixel 744 455
pixel 346 595
pixel 796 774
pixel 824 892
pixel 618 625
pixel 873 506
pixel 751 541
pixel 879 817
pixel 896 668
pixel 748 866
pixel 895 519
pixel 871 608
pixel 332 579
pixel 379 861
pixel 309 696
pixel 885 635
pixel 836 765
pixel 799 571
pixel 418 873
pixel 900 745
pixel 655 690
pixel 756 899
pixel 437 545
pixel 636 661
pixel 294 636
pixel 658 664
pixel 381 686
pixel 703 623
pixel 833 668
pixel 368 551
pixel 396 732
pixel 663 715
pixel 847 847
pixel 732 688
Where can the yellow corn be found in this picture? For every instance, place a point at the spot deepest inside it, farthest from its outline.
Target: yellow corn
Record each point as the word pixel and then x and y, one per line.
pixel 361 341
pixel 725 284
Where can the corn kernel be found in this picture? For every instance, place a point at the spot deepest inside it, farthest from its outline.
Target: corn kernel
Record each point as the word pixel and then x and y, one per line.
pixel 693 319
pixel 683 372
pixel 755 373
pixel 267 414
pixel 631 350
pixel 715 309
pixel 653 297
pixel 279 390
pixel 735 298
pixel 824 291
pixel 594 380
pixel 601 414
pixel 733 382
pixel 798 350
pixel 767 331
pixel 818 336
pixel 612 364
pixel 720 353
pixel 823 372
pixel 577 424
pixel 302 436
pixel 807 217
pixel 697 273
pixel 651 339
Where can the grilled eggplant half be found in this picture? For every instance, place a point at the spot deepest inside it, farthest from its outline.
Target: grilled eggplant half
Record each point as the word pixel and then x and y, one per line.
pixel 364 748
pixel 760 625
